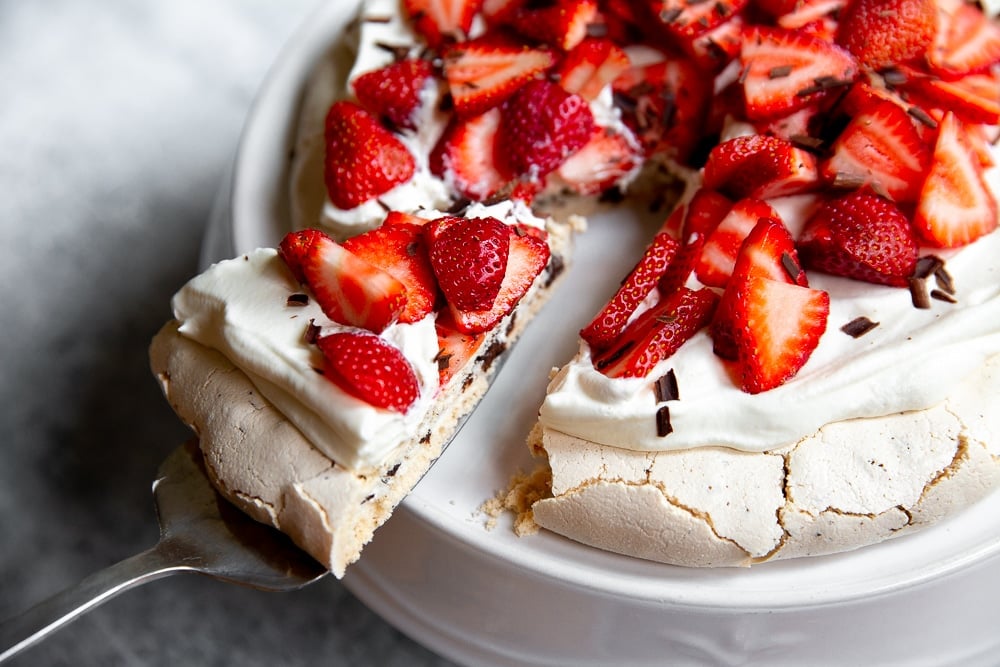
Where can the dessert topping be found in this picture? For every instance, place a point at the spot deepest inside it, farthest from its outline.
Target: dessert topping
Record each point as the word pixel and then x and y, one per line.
pixel 370 369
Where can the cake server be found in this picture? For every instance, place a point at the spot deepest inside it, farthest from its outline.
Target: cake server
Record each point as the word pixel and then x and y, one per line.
pixel 199 532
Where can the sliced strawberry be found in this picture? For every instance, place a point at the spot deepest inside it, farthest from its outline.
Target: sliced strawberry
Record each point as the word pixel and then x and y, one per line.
pixel 817 17
pixel 561 23
pixel 469 258
pixel 760 166
pixel 679 271
pixel 393 92
pixel 607 326
pixel 540 126
pixel 590 66
pixel 657 333
pixel 294 247
pixel 363 159
pixel 370 369
pixel 528 256
pixel 777 325
pixel 955 205
pixel 705 211
pixel 463 156
pixel 785 70
pixel 500 12
pixel 861 236
pixel 350 290
pixel 455 350
pixel 401 217
pixel 882 33
pixel 716 47
pixel 686 21
pixel 484 72
pixel 398 247
pixel 967 41
pixel 718 257
pixel 973 99
pixel 880 147
pixel 602 162
pixel 440 21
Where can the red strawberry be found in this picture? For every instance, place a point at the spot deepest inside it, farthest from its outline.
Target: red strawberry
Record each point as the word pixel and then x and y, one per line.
pixel 370 369
pixel 440 21
pixel 540 126
pixel 760 166
pixel 883 33
pixel 400 217
pixel 967 41
pixel 818 16
pixel 973 99
pixel 293 249
pixel 955 205
pixel 455 350
pixel 657 333
pixel 392 93
pixel 528 256
pixel 685 21
pixel 398 248
pixel 348 289
pixel 561 23
pixel 484 72
pixel 785 70
pixel 705 211
pixel 463 156
pixel 718 257
pixel 860 236
pixel 500 12
pixel 715 48
pixel 607 326
pixel 601 163
pixel 363 159
pixel 469 258
pixel 591 65
pixel 880 147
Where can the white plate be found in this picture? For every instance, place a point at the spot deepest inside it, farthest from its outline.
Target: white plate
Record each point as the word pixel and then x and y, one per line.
pixel 488 597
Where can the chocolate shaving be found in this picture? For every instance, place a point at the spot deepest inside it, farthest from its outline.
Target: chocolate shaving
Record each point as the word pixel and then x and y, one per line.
pixel 918 293
pixel 297 299
pixel 779 72
pixel 663 427
pixel 844 180
pixel 671 15
pixel 943 279
pixel 378 19
pixel 923 117
pixel 411 249
pixel 893 76
pixel 312 332
pixel 391 472
pixel 790 266
pixel 398 51
pixel 443 361
pixel 941 295
pixel 666 387
pixel 614 356
pixel 823 83
pixel 597 29
pixel 858 327
pixel 807 142
pixel 927 265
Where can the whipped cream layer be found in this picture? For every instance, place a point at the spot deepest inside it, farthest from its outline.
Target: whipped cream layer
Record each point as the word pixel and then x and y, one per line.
pixel 912 360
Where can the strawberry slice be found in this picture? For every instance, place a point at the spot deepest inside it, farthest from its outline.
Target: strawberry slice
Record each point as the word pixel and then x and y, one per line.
pixel 540 126
pixel 882 33
pixel 880 147
pixel 590 66
pixel 955 205
pixel 455 350
pixel 463 156
pixel 973 99
pixel 603 161
pixel 686 21
pixel 718 257
pixel 483 72
pixel 293 249
pixel 363 159
pixel 776 325
pixel 761 166
pixel 440 21
pixel 967 41
pixel 350 290
pixel 705 211
pixel 528 256
pixel 393 93
pixel 398 248
pixel 609 323
pixel 818 17
pixel 500 12
pixel 562 23
pixel 657 333
pixel 715 48
pixel 860 236
pixel 469 257
pixel 785 70
pixel 370 369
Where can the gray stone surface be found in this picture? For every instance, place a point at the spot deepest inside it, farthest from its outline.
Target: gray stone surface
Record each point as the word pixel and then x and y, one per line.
pixel 117 123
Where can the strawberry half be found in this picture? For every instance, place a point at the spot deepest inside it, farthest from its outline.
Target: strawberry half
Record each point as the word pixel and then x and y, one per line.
pixel 393 92
pixel 607 326
pixel 860 236
pixel 590 66
pixel 348 289
pixel 540 126
pixel 658 333
pixel 955 205
pixel 882 33
pixel 715 263
pixel 562 23
pixel 483 72
pixel 455 350
pixel 603 161
pixel 463 156
pixel 363 159
pixel 398 247
pixel 880 147
pixel 440 21
pixel 785 70
pixel 293 249
pixel 760 166
pixel 469 257
pixel 370 369
pixel 776 326
pixel 967 41
pixel 973 99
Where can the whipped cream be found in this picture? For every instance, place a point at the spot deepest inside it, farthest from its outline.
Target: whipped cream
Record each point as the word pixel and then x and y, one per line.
pixel 912 360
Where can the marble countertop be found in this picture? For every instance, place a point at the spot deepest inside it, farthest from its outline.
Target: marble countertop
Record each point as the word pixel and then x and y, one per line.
pixel 118 123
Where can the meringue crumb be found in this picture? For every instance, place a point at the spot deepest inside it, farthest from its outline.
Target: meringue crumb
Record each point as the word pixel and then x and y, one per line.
pixel 523 492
